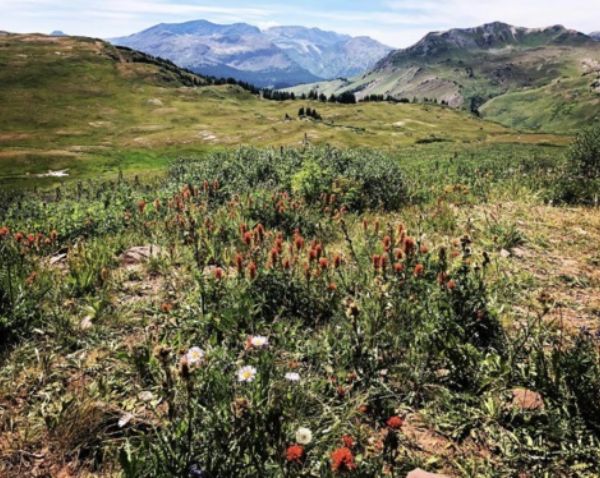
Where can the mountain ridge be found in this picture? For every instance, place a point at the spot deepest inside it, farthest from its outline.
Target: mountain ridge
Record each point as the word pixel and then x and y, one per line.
pixel 496 70
pixel 495 35
pixel 276 57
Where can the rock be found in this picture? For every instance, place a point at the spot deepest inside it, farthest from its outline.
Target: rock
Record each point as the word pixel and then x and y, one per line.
pixel 518 252
pixel 139 254
pixel 419 473
pixel 125 419
pixel 524 399
pixel 504 253
pixel 155 102
pixel 57 259
pixel 86 323
pixel 146 396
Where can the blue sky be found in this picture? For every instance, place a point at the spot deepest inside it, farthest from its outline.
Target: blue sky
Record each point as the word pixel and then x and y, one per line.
pixel 398 23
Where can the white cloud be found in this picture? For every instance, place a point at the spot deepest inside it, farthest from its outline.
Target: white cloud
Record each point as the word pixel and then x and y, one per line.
pixel 397 23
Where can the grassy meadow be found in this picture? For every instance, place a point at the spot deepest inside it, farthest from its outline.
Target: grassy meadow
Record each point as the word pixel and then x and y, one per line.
pixel 69 105
pixel 219 291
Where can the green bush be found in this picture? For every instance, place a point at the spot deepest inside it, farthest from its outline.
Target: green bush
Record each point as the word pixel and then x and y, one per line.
pixel 357 180
pixel 580 182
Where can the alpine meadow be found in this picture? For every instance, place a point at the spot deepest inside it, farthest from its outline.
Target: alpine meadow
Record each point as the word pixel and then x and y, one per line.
pixel 283 240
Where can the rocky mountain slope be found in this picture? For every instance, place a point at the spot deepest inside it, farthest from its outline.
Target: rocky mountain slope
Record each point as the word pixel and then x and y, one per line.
pixel 277 57
pixel 595 35
pixel 555 71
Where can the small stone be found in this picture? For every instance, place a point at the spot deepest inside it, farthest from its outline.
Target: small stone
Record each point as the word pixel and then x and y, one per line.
pixel 139 254
pixel 504 253
pixel 525 399
pixel 57 259
pixel 125 419
pixel 86 323
pixel 419 473
pixel 518 252
pixel 146 396
pixel 155 102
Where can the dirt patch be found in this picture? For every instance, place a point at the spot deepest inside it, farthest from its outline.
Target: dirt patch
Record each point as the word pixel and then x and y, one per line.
pixel 16 136
pixel 561 254
pixel 27 152
pixel 207 136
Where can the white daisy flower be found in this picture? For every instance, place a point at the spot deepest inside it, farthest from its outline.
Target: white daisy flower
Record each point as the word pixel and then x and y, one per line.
pixel 246 374
pixel 292 376
pixel 194 356
pixel 303 436
pixel 259 341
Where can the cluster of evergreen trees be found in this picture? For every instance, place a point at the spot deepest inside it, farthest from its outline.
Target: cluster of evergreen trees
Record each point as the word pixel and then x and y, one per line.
pixel 277 95
pixel 309 113
pixel 346 97
pixel 388 98
pixel 212 80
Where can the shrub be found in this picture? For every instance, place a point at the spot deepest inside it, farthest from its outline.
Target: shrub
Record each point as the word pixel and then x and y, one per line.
pixel 359 179
pixel 581 179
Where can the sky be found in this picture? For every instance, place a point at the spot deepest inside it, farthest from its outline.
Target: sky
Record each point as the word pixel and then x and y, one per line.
pixel 398 23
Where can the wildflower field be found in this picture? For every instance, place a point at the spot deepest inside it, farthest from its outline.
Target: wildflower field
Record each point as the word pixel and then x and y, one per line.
pixel 305 312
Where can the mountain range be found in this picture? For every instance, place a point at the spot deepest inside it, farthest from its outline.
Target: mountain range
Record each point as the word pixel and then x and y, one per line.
pixel 522 77
pixel 276 57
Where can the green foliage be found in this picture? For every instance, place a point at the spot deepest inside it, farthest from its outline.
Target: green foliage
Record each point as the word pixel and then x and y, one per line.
pixel 306 248
pixel 580 182
pixel 359 179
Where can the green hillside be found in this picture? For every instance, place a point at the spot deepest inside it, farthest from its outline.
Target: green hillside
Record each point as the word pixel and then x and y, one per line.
pixel 85 106
pixel 555 73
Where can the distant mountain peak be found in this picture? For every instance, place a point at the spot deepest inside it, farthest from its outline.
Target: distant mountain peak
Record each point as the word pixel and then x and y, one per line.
pixel 58 33
pixel 595 35
pixel 490 36
pixel 276 57
pixel 203 27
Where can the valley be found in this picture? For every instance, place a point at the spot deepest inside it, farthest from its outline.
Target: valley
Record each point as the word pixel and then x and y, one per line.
pixel 83 105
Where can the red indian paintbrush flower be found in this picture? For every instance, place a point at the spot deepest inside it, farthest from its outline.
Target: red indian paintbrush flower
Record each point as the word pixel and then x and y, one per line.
pixel 323 263
pixel 260 232
pixel 239 263
pixel 395 422
pixel 342 460
pixel 252 270
pixel 4 231
pixel 299 242
pixel 419 268
pixel 387 242
pixel 348 441
pixel 409 245
pixel 294 453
